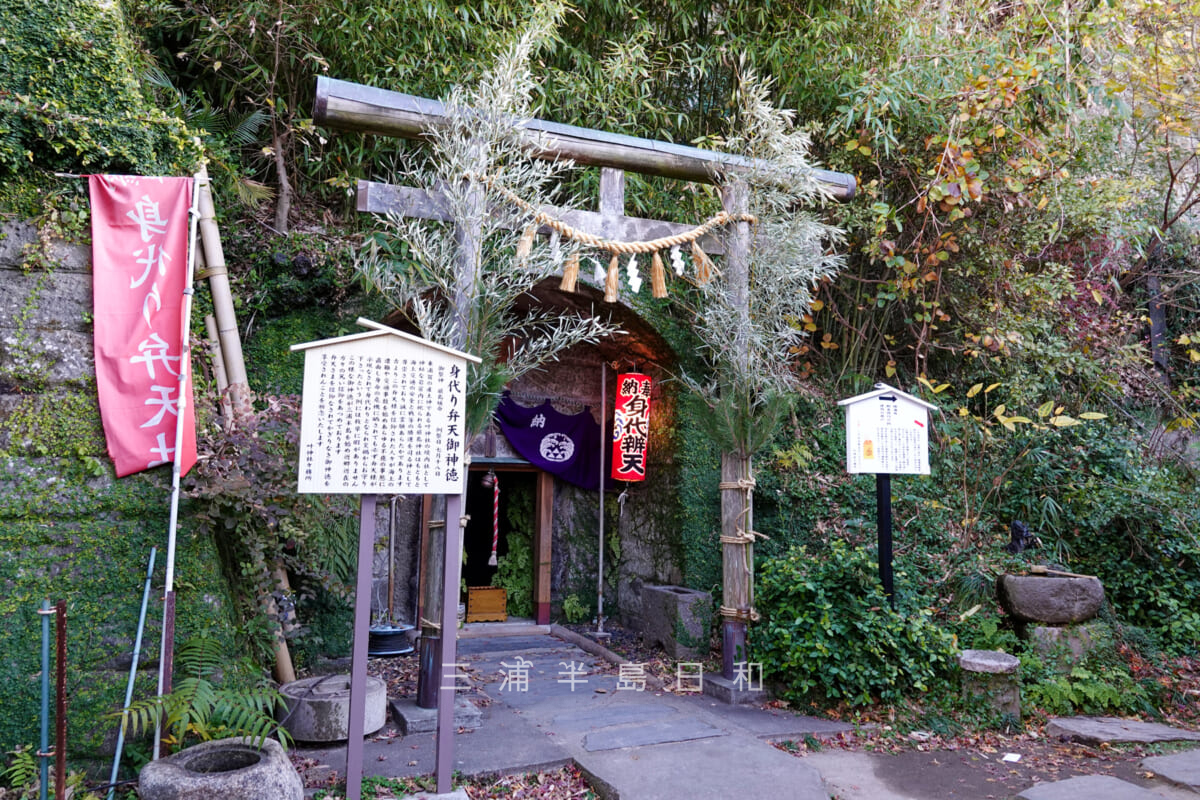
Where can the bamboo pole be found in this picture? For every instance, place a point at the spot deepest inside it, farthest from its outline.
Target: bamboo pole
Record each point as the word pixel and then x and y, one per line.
pixel 230 342
pixel 222 297
pixel 737 558
pixel 218 362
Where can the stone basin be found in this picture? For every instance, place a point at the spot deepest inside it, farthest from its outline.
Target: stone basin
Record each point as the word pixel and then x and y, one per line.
pixel 1050 599
pixel 226 769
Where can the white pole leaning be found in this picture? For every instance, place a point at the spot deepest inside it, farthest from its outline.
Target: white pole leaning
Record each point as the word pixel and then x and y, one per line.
pixel 167 647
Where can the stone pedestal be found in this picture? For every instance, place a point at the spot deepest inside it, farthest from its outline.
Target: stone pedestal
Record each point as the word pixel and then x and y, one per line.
pixel 734 692
pixel 677 619
pixel 992 677
pixel 1067 644
pixel 411 718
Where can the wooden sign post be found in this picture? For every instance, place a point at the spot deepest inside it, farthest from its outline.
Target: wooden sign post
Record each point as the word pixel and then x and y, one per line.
pixel 887 433
pixel 383 414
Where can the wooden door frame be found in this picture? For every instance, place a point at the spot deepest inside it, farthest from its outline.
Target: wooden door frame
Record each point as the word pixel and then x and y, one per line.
pixel 543 533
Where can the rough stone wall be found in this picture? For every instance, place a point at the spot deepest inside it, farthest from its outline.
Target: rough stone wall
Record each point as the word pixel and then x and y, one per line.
pixel 45 328
pixel 68 528
pixel 641 534
pixel 406 528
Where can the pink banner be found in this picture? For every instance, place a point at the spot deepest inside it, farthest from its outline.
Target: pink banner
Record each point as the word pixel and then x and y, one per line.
pixel 139 268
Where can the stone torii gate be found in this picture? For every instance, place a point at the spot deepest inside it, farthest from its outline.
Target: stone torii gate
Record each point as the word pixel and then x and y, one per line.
pixel 357 108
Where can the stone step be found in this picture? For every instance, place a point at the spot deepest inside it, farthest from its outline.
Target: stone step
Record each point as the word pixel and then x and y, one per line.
pixel 1178 769
pixel 1114 730
pixel 1089 787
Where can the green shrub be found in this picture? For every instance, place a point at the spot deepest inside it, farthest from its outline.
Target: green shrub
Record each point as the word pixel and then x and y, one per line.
pixel 1101 689
pixel 829 634
pixel 72 99
pixel 574 609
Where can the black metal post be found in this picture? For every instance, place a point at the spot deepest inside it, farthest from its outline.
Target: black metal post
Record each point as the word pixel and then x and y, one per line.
pixel 883 503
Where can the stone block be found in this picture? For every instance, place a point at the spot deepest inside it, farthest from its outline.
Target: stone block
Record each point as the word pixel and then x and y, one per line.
pixel 1050 599
pixel 1114 730
pixel 735 693
pixel 677 619
pixel 318 709
pixel 1088 787
pixel 1068 644
pixel 992 677
pixel 411 718
pixel 14 237
pixel 54 301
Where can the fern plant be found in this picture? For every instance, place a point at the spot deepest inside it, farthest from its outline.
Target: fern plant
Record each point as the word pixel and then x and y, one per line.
pixel 199 708
pixel 21 774
pixel 21 777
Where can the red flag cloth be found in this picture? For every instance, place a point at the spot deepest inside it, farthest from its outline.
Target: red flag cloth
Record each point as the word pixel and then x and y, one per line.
pixel 139 271
pixel 631 427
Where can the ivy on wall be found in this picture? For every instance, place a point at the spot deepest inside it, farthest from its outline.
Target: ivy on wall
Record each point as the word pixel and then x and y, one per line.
pixel 70 96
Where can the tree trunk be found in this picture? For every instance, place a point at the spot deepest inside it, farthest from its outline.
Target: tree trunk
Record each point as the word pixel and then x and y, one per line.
pixel 1159 353
pixel 429 665
pixel 466 237
pixel 283 201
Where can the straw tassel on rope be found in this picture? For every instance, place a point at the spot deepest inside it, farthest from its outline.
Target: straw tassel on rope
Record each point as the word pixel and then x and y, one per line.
pixel 658 277
pixel 613 279
pixel 525 245
pixel 704 265
pixel 570 272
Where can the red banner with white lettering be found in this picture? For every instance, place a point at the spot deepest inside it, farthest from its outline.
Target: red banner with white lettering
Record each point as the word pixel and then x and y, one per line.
pixel 139 271
pixel 631 427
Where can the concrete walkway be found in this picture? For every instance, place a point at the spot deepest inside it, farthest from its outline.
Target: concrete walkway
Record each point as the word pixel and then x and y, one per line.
pixel 552 703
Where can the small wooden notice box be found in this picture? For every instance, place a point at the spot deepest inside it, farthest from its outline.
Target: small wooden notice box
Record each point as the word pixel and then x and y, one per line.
pixel 487 604
pixel 887 432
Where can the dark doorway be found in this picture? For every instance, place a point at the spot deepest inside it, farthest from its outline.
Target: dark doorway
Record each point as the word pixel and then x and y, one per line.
pixel 515 544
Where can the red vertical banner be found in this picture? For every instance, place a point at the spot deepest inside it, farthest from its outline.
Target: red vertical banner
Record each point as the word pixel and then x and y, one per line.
pixel 631 427
pixel 139 271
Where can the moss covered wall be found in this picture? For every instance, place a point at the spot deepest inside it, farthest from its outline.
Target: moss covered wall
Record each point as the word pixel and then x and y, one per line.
pixel 68 529
pixel 71 95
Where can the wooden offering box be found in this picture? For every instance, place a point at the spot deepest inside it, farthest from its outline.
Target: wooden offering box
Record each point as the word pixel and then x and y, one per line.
pixel 487 604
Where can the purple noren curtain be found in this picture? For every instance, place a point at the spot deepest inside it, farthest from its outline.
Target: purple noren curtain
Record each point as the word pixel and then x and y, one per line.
pixel 566 446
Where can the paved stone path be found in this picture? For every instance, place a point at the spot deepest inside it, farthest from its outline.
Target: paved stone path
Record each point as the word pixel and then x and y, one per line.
pixel 562 705
pixel 647 745
pixel 1114 730
pixel 1178 774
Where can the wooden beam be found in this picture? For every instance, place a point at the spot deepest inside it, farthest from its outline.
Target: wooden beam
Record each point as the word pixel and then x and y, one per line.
pixel 405 201
pixel 542 544
pixel 354 107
